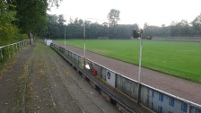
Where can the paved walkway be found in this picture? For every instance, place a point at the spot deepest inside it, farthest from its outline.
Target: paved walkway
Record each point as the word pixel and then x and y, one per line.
pixel 173 85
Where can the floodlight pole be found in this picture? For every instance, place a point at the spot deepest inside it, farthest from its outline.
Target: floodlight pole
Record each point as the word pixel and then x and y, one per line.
pixel 140 61
pixel 84 35
pixel 140 68
pixel 64 35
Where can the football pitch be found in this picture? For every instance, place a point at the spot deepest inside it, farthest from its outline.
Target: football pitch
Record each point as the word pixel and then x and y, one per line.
pixel 181 59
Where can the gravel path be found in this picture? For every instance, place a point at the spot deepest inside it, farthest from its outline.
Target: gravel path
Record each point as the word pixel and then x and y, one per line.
pixel 174 85
pixel 52 86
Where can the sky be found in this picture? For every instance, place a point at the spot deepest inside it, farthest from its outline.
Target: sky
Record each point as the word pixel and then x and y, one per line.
pixel 153 12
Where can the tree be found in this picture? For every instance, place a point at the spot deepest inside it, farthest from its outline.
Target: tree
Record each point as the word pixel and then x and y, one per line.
pixel 145 25
pixel 197 25
pixel 61 19
pixel 21 17
pixel 184 28
pixel 113 17
pixel 55 28
pixel 31 14
pixel 9 33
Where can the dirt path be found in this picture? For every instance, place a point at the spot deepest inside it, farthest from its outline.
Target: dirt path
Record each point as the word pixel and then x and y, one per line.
pixel 10 81
pixel 40 81
pixel 173 85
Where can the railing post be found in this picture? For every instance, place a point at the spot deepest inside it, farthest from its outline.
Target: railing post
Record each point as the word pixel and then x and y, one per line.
pixel 13 49
pixel 16 46
pixel 8 52
pixel 20 46
pixel 1 53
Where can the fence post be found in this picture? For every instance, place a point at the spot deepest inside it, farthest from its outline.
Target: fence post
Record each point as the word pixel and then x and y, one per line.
pixel 16 46
pixel 13 49
pixel 20 46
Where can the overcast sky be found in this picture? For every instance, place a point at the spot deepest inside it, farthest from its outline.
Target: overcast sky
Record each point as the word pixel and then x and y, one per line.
pixel 153 12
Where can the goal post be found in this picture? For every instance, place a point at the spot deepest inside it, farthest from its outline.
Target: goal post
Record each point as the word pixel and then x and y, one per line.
pixel 103 38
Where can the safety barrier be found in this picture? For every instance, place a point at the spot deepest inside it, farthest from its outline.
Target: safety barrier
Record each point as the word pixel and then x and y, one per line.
pixel 8 50
pixel 154 99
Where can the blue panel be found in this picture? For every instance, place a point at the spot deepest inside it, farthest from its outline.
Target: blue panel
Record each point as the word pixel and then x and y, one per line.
pixel 152 94
pixel 161 97
pixel 184 107
pixel 171 102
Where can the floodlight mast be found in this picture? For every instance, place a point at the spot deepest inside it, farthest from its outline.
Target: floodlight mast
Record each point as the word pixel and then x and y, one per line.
pixel 139 35
pixel 65 35
pixel 140 56
pixel 84 35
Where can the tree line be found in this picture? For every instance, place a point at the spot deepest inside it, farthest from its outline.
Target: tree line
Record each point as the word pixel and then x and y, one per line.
pixel 176 29
pixel 74 29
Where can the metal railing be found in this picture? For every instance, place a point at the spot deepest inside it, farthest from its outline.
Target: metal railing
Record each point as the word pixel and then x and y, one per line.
pixel 7 51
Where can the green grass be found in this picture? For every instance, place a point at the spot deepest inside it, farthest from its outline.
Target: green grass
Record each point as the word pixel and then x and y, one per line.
pixel 182 59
